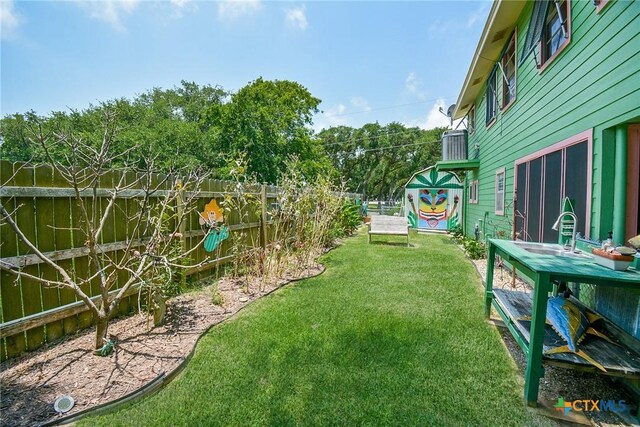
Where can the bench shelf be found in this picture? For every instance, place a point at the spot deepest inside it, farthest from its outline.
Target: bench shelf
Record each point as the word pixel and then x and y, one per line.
pixel 515 306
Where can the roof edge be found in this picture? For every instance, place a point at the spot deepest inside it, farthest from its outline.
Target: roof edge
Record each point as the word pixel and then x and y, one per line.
pixel 502 19
pixel 476 55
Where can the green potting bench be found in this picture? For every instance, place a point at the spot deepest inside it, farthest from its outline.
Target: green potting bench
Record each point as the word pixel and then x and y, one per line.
pixel 544 271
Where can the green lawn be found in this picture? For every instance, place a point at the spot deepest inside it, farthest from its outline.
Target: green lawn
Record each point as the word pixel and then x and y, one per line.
pixel 388 335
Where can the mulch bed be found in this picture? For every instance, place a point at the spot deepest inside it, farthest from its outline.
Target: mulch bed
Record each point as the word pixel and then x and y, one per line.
pixel 30 384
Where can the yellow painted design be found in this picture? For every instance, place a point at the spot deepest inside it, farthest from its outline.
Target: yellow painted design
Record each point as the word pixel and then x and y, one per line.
pixel 212 214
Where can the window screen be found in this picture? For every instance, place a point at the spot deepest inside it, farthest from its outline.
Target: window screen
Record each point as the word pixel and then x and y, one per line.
pixel 555 31
pixel 540 185
pixel 533 205
pixel 552 195
pixel 499 205
pixel 521 186
pixel 509 76
pixel 576 181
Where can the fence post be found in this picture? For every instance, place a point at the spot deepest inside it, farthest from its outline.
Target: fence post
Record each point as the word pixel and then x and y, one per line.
pixel 263 209
pixel 182 228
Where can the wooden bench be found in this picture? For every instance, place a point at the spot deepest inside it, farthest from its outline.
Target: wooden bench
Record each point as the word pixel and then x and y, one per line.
pixel 389 226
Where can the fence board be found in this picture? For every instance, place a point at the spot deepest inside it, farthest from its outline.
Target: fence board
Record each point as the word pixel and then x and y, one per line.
pixel 10 291
pixel 63 234
pixel 118 218
pixel 45 211
pixel 92 205
pixel 81 264
pixel 201 254
pixel 51 217
pixel 31 289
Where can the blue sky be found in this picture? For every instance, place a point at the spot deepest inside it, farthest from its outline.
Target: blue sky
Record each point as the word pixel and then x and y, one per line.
pixel 367 61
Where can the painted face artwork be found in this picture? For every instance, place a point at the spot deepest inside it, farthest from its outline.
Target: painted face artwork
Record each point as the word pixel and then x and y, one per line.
pixel 211 215
pixel 433 208
pixel 212 218
pixel 431 200
pixel 412 215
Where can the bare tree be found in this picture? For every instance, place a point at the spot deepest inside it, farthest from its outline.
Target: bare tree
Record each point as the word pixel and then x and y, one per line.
pixel 164 202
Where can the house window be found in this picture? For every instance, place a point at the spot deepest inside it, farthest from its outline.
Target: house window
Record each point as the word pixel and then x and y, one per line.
pixel 556 29
pixel 471 120
pixel 473 192
pixel 499 193
pixel 492 102
pixel 542 181
pixel 509 73
pixel 600 4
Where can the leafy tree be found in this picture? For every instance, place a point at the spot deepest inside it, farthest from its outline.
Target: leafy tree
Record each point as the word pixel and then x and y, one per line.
pixel 191 125
pixel 269 120
pixel 378 160
pixel 88 161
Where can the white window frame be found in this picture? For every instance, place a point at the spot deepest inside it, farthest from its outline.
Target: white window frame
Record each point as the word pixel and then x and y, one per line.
pixel 471 120
pixel 473 192
pixel 491 98
pixel 499 195
pixel 565 23
pixel 505 83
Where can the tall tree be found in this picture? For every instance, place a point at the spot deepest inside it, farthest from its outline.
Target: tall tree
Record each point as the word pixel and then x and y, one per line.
pixel 377 160
pixel 87 163
pixel 179 126
pixel 269 120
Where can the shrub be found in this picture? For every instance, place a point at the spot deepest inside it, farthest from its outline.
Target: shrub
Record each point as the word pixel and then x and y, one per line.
pixel 347 221
pixel 216 297
pixel 457 235
pixel 475 249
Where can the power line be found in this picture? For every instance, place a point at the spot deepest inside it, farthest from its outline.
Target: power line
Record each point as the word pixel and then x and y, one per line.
pixel 376 136
pixel 389 107
pixel 398 146
pixel 367 150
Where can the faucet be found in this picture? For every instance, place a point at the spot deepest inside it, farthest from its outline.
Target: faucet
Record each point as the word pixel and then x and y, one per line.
pixel 556 226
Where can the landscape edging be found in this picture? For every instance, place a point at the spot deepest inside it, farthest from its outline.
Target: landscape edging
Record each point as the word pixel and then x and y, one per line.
pixel 163 379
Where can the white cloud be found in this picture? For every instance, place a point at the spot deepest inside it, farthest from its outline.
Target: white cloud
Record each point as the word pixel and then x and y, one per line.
pixel 412 83
pixel 296 18
pixel 9 19
pixel 435 118
pixel 180 7
pixel 360 103
pixel 477 14
pixel 110 11
pixel 333 116
pixel 233 9
pixel 440 29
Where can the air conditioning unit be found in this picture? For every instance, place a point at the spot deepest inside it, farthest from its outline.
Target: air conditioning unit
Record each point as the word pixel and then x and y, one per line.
pixel 454 145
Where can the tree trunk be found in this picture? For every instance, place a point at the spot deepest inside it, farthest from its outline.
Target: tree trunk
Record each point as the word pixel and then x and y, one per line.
pixel 102 325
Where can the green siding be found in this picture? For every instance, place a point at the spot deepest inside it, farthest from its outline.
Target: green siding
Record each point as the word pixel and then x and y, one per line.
pixel 594 83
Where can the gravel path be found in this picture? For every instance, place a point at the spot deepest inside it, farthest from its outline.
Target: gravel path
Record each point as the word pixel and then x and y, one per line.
pixel 559 382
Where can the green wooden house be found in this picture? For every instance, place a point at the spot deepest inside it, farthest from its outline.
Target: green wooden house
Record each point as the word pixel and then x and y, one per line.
pixel 551 102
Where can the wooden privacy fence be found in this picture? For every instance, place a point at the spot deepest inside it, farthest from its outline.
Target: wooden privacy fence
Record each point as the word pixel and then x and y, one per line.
pixel 46 212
